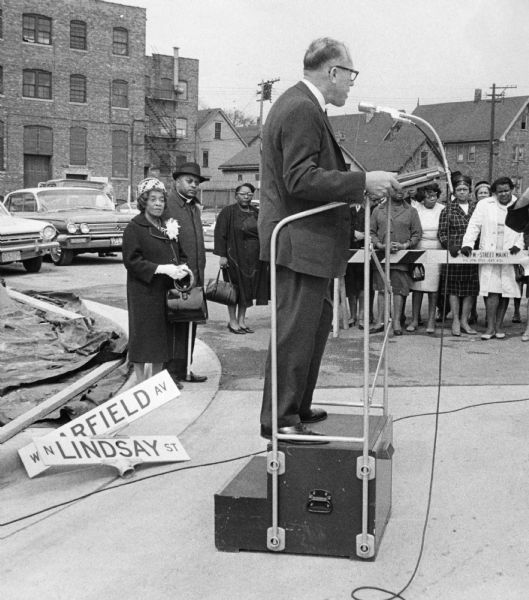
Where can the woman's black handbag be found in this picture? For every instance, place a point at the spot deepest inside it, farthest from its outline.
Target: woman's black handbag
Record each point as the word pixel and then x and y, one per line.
pixel 223 292
pixel 417 271
pixel 186 303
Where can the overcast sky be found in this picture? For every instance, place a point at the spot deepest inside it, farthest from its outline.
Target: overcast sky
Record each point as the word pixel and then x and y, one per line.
pixel 406 50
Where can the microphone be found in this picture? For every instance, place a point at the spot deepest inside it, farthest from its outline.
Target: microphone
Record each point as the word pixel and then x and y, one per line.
pixel 369 107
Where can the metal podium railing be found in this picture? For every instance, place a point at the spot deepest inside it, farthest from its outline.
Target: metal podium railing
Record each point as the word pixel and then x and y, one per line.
pixel 275 459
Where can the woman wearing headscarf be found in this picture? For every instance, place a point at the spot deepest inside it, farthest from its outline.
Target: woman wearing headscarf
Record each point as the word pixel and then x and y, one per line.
pixel 237 245
pixel 460 281
pixel 482 190
pixel 429 210
pixel 153 258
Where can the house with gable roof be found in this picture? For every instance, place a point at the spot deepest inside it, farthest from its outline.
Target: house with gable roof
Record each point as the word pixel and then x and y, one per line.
pixel 378 142
pixel 217 140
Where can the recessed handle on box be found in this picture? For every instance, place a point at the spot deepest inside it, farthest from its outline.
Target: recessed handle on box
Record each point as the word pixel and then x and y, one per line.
pixel 320 501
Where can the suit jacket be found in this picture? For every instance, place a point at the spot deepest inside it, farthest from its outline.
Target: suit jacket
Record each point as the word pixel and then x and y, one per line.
pixel 191 234
pixel 517 218
pixel 303 168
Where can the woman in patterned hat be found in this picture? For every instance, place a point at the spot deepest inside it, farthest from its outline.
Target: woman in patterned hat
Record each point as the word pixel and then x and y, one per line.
pixel 460 281
pixel 153 258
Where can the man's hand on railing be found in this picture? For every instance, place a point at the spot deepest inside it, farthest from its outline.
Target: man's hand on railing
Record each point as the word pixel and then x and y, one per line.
pixel 466 251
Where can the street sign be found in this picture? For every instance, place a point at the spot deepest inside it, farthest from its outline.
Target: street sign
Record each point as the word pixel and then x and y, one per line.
pixel 110 417
pixel 120 452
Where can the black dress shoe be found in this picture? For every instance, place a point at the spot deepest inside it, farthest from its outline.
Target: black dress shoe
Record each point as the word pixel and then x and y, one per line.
pixel 314 415
pixel 294 430
pixel 192 378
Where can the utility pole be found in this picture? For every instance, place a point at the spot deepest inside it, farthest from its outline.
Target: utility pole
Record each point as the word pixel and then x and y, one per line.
pixel 495 97
pixel 265 93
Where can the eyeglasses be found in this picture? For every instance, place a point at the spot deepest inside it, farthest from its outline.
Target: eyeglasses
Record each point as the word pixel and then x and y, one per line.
pixel 353 72
pixel 247 195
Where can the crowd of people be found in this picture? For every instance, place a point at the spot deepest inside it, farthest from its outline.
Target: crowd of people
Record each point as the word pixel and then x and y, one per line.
pixel 303 168
pixel 470 220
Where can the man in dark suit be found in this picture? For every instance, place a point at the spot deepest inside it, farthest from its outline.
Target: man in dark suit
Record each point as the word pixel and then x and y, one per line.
pixel 518 213
pixel 303 168
pixel 182 205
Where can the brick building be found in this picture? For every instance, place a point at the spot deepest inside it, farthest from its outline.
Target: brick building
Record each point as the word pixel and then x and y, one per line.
pixel 171 106
pixel 72 100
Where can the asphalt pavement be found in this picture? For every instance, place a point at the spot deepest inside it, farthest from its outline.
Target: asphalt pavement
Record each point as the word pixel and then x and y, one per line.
pixel 152 536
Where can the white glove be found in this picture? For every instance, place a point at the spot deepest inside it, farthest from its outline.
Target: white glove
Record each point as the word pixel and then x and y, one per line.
pixel 171 271
pixel 182 271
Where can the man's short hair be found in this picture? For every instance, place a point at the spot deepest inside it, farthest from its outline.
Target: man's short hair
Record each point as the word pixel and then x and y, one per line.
pixel 321 51
pixel 501 181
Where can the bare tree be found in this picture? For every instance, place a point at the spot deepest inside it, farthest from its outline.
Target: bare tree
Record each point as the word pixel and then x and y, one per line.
pixel 239 118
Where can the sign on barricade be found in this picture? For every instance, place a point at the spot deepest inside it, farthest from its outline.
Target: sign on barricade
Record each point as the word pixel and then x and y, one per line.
pixel 108 418
pixel 478 257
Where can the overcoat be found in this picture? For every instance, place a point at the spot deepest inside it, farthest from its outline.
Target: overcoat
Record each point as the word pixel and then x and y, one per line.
pixel 191 234
pixel 458 280
pixel 151 337
pixel 488 222
pixel 303 168
pixel 236 238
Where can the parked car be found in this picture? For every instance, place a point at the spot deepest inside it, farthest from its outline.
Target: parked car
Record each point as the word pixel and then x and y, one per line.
pixel 82 183
pixel 85 219
pixel 25 240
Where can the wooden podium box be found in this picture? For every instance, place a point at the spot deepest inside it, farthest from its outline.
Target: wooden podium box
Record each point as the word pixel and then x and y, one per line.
pixel 320 494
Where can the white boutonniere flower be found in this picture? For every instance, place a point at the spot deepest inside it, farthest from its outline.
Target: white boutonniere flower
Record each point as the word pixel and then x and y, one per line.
pixel 171 229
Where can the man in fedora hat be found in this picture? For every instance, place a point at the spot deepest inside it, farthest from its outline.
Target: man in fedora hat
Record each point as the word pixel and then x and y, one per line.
pixel 182 205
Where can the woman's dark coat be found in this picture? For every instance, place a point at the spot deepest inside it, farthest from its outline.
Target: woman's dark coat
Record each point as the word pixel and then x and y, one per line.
pixel 151 337
pixel 236 237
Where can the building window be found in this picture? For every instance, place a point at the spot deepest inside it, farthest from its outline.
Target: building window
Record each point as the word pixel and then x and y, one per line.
pixel 77 146
pixel 166 88
pixel 518 152
pixel 257 177
pixel 147 85
pixel 78 88
pixel 120 154
pixel 239 177
pixel 182 90
pixel 205 159
pixel 36 29
pixel 1 24
pixel 1 80
pixel 120 41
pixel 518 189
pixel 460 154
pixel 525 118
pixel 120 93
pixel 38 140
pixel 424 159
pixel 218 129
pixel 78 35
pixel 471 153
pixel 181 128
pixel 36 84
pixel 2 167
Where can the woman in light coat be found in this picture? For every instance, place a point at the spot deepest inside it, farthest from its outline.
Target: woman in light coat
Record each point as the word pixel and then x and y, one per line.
pixel 496 282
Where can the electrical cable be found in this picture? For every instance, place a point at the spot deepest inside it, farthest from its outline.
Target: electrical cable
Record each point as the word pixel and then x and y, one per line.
pixel 437 413
pixel 106 487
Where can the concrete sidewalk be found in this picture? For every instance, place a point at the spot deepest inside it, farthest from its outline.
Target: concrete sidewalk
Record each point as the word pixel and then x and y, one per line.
pixel 152 536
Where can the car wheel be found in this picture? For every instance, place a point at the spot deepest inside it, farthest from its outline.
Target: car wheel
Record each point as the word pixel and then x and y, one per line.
pixel 33 265
pixel 61 257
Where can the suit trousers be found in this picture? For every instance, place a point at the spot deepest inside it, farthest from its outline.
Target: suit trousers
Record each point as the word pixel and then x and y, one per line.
pixel 177 366
pixel 304 319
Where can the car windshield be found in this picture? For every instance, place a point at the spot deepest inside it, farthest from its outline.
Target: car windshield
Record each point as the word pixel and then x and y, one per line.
pixel 60 199
pixel 3 211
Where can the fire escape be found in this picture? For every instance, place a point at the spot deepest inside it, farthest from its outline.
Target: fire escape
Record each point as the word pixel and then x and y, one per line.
pixel 163 138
